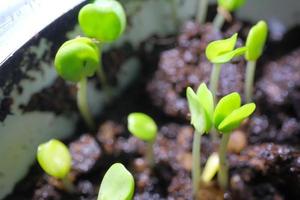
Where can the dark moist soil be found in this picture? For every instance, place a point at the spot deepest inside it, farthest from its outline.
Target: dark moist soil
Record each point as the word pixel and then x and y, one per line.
pixel 264 154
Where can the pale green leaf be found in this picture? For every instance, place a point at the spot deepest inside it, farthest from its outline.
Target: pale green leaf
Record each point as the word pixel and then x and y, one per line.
pixel 234 120
pixel 225 107
pixel 117 184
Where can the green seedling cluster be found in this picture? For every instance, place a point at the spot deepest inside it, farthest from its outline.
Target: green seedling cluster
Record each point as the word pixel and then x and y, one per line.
pixel 143 127
pixel 77 59
pixel 255 44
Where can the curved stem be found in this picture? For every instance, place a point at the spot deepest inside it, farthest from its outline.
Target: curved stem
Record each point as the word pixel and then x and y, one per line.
pixel 214 80
pixel 202 11
pixel 250 72
pixel 150 153
pixel 83 104
pixel 223 171
pixel 196 166
pixel 218 21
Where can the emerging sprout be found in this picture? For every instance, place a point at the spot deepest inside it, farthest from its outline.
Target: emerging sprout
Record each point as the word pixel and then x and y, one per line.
pixel 220 52
pixel 201 107
pixel 104 20
pixel 76 60
pixel 224 8
pixel 55 159
pixel 255 44
pixel 228 116
pixel 143 127
pixel 117 184
pixel 211 167
pixel 202 11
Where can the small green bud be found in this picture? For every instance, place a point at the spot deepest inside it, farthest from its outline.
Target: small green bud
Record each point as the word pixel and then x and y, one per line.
pixel 117 184
pixel 231 5
pixel 222 51
pixel 104 20
pixel 55 159
pixel 256 41
pixel 76 59
pixel 142 126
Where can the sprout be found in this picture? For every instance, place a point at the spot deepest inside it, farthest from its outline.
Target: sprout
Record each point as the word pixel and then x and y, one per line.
pixel 76 60
pixel 220 52
pixel 117 184
pixel 201 107
pixel 55 159
pixel 143 127
pixel 228 116
pixel 202 11
pixel 255 43
pixel 224 8
pixel 211 167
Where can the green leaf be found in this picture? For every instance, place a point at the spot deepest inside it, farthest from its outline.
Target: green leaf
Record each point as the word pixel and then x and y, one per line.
pixel 256 41
pixel 234 120
pixel 226 57
pixel 117 184
pixel 55 159
pixel 220 48
pixel 231 5
pixel 104 20
pixel 76 59
pixel 142 126
pixel 196 110
pixel 207 102
pixel 225 107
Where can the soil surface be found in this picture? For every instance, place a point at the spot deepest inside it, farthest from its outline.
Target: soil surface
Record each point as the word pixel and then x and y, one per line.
pixel 264 156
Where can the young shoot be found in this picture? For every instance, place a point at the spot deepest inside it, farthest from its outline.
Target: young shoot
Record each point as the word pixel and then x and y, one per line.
pixel 228 115
pixel 201 107
pixel 104 20
pixel 202 11
pixel 143 127
pixel 219 52
pixel 117 184
pixel 224 9
pixel 76 60
pixel 255 44
pixel 55 159
pixel 211 168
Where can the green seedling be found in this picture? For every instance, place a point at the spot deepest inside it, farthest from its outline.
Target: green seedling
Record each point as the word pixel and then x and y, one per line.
pixel 117 184
pixel 220 52
pixel 228 115
pixel 55 159
pixel 211 168
pixel 202 11
pixel 255 44
pixel 105 21
pixel 76 60
pixel 143 127
pixel 201 107
pixel 224 8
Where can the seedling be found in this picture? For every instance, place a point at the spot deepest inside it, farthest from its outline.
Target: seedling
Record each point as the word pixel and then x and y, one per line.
pixel 202 11
pixel 76 60
pixel 211 168
pixel 55 159
pixel 143 127
pixel 224 9
pixel 104 20
pixel 201 107
pixel 228 115
pixel 117 184
pixel 220 52
pixel 255 44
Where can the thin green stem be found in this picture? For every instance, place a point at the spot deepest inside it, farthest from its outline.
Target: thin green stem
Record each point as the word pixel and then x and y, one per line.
pixel 83 103
pixel 218 21
pixel 202 11
pixel 175 13
pixel 250 72
pixel 196 166
pixel 214 80
pixel 150 153
pixel 68 185
pixel 223 171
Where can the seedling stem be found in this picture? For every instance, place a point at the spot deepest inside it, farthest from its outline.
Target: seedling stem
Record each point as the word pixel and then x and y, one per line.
pixel 83 104
pixel 223 171
pixel 196 169
pixel 218 21
pixel 250 71
pixel 214 80
pixel 202 11
pixel 175 13
pixel 150 153
pixel 68 185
